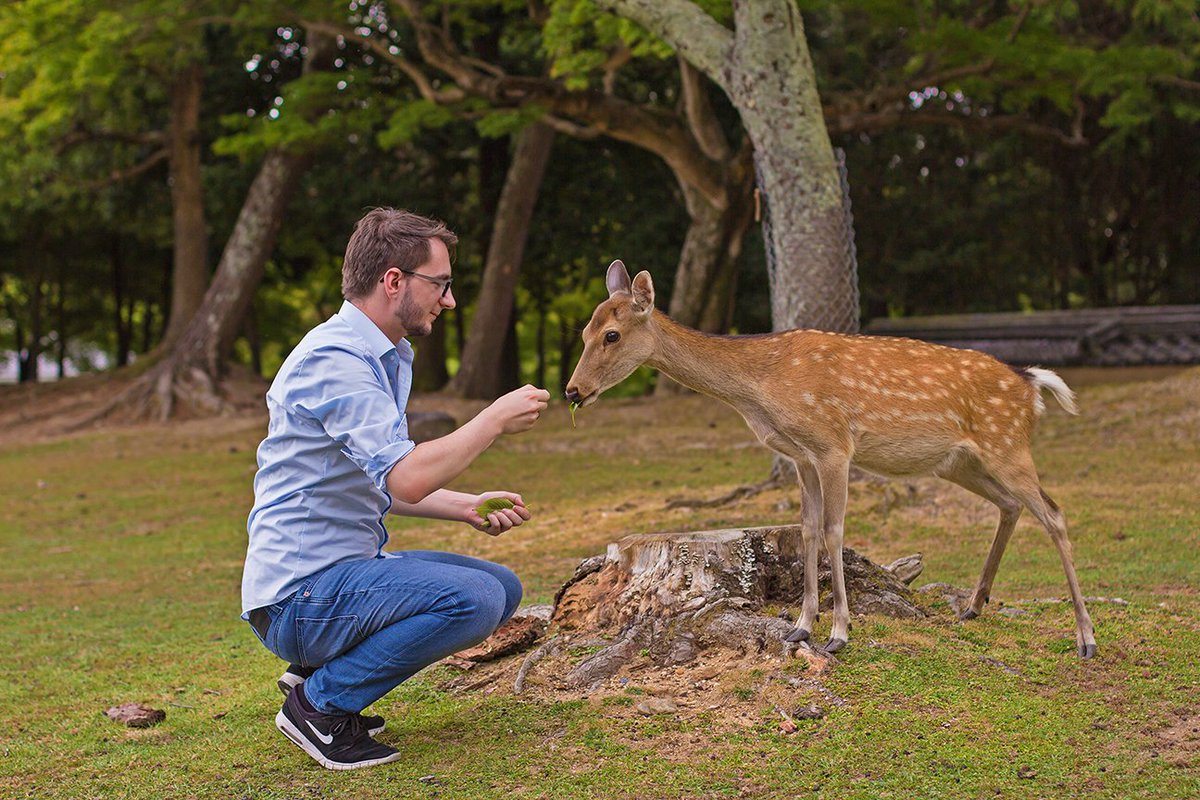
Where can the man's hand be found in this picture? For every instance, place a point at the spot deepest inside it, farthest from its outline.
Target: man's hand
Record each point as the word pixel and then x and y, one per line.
pixel 500 521
pixel 517 411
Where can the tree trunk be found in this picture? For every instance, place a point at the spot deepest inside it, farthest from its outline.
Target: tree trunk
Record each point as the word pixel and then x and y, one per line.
pixel 429 361
pixel 191 370
pixel 190 266
pixel 124 305
pixel 196 362
pixel 480 374
pixel 706 279
pixel 765 68
pixel 60 309
pixel 27 371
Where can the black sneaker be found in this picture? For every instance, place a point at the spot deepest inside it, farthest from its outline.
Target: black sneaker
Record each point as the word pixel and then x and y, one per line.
pixel 293 677
pixel 336 741
pixel 296 675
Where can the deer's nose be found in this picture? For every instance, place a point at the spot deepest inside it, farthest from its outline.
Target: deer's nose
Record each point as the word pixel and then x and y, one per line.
pixel 572 395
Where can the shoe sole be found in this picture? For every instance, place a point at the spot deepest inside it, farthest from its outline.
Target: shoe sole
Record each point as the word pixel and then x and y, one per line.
pixel 289 730
pixel 288 681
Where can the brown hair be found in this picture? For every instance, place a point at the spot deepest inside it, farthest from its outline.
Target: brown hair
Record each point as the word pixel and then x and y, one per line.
pixel 385 238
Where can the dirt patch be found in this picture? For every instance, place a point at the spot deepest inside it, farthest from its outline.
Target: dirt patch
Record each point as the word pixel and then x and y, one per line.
pixel 1179 742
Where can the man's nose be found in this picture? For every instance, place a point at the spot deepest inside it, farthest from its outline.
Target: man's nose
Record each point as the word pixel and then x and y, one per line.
pixel 447 300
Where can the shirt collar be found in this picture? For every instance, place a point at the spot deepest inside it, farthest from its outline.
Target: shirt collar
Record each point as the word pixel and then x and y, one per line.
pixel 377 342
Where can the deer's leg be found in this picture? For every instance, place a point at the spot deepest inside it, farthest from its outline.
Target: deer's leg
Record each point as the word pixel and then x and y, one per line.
pixel 834 476
pixel 810 528
pixel 1055 523
pixel 973 477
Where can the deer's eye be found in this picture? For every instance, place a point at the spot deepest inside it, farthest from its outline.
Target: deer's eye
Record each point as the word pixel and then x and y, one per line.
pixel 611 337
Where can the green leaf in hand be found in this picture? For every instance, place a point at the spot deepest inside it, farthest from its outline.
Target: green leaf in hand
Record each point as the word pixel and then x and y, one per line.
pixel 490 506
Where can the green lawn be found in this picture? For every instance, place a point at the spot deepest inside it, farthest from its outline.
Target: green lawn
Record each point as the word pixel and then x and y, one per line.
pixel 120 564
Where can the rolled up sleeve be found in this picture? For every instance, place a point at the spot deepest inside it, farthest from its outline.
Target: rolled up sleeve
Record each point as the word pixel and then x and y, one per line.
pixel 349 397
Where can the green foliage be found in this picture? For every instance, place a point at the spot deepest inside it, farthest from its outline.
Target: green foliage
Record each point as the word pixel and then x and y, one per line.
pixel 579 38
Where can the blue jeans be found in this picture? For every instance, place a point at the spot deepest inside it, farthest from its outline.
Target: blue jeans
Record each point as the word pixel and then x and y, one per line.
pixel 370 625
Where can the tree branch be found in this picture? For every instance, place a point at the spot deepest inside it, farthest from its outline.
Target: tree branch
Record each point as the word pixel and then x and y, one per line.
pixel 841 123
pixel 700 116
pixel 659 132
pixel 380 47
pixel 682 24
pixel 81 134
pixel 119 175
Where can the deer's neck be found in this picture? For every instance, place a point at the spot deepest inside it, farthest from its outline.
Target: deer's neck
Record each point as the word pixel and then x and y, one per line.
pixel 714 365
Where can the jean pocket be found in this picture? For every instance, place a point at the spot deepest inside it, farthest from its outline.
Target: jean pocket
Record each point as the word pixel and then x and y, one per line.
pixel 321 639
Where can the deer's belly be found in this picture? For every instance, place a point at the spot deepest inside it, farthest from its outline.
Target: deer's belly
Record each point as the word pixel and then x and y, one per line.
pixel 899 455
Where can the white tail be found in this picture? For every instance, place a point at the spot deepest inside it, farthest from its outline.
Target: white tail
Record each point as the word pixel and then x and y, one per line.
pixel 825 401
pixel 1045 379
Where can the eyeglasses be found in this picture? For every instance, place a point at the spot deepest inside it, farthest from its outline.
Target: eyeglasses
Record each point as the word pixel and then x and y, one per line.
pixel 442 282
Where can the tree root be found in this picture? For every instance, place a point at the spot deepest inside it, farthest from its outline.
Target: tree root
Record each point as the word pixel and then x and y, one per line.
pixel 157 394
pixel 531 661
pixel 739 493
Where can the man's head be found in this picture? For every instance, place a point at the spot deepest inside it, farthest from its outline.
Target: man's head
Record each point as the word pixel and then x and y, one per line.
pixel 399 263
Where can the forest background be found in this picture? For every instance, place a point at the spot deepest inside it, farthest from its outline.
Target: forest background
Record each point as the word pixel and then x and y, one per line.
pixel 1001 156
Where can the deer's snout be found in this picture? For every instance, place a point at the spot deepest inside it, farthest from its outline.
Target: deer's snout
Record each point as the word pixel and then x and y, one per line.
pixel 572 394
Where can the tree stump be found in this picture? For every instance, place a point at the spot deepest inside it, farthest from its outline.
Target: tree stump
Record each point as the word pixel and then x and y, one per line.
pixel 670 596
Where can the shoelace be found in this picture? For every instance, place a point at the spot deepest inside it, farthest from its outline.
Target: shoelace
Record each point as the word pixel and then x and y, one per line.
pixel 355 723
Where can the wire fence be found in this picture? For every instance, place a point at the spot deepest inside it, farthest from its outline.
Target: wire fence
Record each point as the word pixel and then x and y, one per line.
pixel 813 298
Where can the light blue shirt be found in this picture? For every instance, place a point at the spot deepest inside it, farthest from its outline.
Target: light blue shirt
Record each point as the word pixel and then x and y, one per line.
pixel 337 427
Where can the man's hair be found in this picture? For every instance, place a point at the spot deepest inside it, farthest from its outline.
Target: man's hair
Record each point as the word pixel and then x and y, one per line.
pixel 385 238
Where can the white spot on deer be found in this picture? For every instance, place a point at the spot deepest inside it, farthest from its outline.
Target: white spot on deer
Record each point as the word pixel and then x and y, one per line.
pixel 996 401
pixel 795 362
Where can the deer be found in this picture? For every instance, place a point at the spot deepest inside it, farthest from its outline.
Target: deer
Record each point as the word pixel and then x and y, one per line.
pixel 825 401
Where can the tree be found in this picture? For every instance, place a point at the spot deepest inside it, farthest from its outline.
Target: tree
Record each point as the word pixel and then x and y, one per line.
pixel 479 374
pixel 191 369
pixel 764 67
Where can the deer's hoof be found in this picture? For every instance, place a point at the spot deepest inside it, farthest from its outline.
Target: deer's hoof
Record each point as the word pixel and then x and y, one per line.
pixel 968 614
pixel 833 645
pixel 1087 651
pixel 798 635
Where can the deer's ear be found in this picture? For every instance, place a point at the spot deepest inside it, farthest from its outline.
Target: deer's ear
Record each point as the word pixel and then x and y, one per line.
pixel 617 279
pixel 643 293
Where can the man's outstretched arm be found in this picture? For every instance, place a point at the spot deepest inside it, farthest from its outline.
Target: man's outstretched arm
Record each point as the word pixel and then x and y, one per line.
pixel 431 465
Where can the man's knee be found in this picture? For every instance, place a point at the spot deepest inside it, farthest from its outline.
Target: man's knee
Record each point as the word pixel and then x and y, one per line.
pixel 482 599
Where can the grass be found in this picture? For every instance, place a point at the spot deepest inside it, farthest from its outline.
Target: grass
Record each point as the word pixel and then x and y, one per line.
pixel 120 564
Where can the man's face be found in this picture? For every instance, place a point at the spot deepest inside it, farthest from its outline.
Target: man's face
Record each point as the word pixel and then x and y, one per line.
pixel 423 299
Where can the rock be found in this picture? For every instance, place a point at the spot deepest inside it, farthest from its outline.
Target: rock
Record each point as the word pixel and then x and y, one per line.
pixel 656 705
pixel 136 715
pixel 426 425
pixel 542 611
pixel 959 599
pixel 906 569
pixel 808 712
pixel 1013 612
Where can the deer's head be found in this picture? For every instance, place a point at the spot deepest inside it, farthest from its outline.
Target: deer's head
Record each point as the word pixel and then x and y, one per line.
pixel 618 338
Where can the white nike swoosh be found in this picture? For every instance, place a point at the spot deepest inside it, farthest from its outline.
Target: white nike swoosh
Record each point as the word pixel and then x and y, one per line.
pixel 326 739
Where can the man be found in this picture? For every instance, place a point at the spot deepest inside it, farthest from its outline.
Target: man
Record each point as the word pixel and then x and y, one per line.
pixel 318 590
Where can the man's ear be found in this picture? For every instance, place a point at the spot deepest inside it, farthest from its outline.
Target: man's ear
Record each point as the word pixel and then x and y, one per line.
pixel 643 293
pixel 617 279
